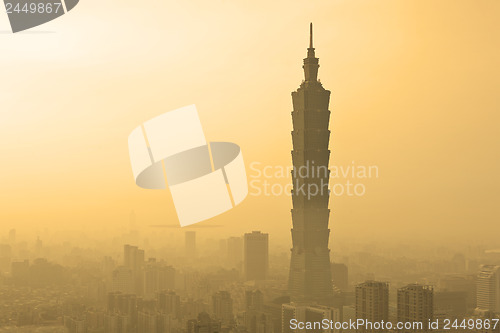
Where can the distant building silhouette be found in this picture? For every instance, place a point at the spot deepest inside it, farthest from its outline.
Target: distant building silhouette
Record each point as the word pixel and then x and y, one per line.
pixel 461 283
pixel 116 323
pixel 372 302
pixel 123 280
pixel 254 300
pixel 340 276
pixel 223 307
pixel 20 271
pixel 255 318
pixel 12 236
pixel 94 320
pixel 258 322
pixel 157 277
pixel 310 274
pixel 169 303
pixel 147 322
pixel 256 255
pixel 119 302
pixel 235 251
pixel 190 244
pixel 450 304
pixel 75 325
pixel 204 324
pixel 133 257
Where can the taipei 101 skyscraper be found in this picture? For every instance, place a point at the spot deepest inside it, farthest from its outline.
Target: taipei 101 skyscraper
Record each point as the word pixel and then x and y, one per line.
pixel 310 275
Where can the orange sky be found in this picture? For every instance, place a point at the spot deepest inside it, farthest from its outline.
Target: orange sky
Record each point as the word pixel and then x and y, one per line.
pixel 414 91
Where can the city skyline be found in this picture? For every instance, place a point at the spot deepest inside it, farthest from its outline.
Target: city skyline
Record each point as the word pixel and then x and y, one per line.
pixel 372 187
pixel 144 287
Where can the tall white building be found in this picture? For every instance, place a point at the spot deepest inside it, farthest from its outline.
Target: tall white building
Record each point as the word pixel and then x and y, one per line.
pixel 488 289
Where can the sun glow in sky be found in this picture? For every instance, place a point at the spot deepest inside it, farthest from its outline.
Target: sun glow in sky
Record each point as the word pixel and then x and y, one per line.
pixel 414 91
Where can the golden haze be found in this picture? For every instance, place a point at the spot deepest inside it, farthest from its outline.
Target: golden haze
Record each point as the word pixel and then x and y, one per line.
pixel 414 91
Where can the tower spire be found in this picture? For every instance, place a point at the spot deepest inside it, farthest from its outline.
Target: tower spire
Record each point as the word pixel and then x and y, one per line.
pixel 311 62
pixel 311 36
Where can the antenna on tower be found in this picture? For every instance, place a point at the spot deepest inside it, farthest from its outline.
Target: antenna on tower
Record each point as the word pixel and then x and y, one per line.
pixel 311 36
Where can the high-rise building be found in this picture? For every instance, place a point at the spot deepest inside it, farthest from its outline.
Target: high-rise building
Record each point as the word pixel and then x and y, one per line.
pixel 147 305
pixel 116 323
pixel 256 255
pixel 190 243
pixel 372 302
pixel 169 302
pixel 450 304
pixel 12 236
pixel 112 301
pixel 121 309
pixel 20 271
pixel 291 311
pixel 310 275
pixel 167 324
pixel 235 251
pixel 157 277
pixel 123 280
pixel 97 290
pixel 94 320
pixel 151 280
pixel 348 315
pixel 118 302
pixel 223 307
pixel 146 322
pixel 166 278
pixel 5 257
pixel 255 319
pixel 461 283
pixel 340 276
pixel 416 305
pixel 488 289
pixel 133 257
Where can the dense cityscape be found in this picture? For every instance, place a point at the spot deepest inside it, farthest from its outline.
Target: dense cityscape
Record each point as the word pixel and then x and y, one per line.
pixel 234 284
